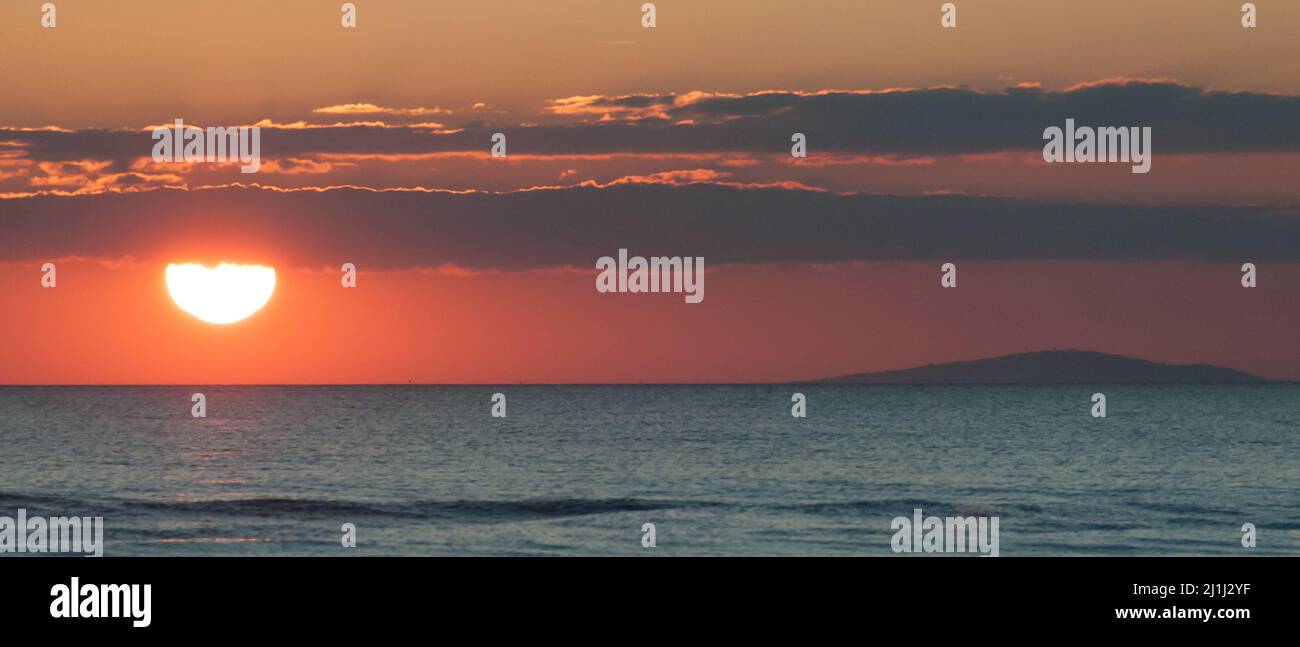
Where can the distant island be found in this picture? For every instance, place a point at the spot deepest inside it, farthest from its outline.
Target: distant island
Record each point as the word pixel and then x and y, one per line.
pixel 1054 367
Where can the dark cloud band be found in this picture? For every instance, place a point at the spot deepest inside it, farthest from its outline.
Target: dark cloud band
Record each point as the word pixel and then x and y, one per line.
pixel 911 122
pixel 547 228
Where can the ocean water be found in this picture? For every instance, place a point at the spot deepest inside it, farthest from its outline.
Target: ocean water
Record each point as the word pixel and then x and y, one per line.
pixel 719 470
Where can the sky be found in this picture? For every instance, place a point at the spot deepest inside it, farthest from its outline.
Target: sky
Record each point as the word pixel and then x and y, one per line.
pixel 924 147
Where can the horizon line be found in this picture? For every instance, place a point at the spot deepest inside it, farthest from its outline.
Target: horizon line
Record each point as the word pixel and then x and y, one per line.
pixel 817 382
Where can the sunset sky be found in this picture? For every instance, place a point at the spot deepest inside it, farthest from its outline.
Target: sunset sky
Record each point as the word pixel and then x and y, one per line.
pixel 924 147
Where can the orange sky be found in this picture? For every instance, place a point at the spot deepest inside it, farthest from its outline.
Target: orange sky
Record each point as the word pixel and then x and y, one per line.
pixel 244 60
pixel 103 325
pixel 668 141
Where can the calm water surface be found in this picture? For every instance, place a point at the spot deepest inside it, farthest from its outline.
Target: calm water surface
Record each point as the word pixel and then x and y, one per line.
pixel 577 470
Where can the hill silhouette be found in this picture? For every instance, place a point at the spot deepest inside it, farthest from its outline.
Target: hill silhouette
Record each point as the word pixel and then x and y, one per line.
pixel 1054 367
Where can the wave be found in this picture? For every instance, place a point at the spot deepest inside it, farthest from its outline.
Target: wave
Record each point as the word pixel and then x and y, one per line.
pixel 904 507
pixel 1048 518
pixel 464 509
pixel 457 509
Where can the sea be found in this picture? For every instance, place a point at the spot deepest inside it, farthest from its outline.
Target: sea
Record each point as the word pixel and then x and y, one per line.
pixel 716 469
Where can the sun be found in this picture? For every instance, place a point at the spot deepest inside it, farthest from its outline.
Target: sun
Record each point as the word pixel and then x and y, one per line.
pixel 223 294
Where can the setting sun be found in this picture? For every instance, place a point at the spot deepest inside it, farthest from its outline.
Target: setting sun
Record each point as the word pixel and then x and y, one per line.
pixel 221 295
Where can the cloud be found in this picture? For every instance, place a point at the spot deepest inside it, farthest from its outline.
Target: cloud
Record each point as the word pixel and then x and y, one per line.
pixel 883 124
pixel 95 176
pixel 295 166
pixel 939 121
pixel 548 228
pixel 372 109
